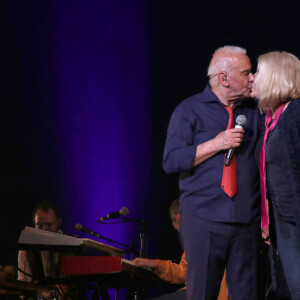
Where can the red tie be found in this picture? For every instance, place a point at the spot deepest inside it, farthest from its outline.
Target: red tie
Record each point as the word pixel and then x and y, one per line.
pixel 229 184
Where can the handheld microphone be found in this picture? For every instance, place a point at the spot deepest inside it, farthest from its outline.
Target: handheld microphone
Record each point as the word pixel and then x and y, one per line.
pixel 79 227
pixel 240 121
pixel 122 212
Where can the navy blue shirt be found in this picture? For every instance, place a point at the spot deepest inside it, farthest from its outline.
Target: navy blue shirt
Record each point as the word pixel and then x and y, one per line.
pixel 196 120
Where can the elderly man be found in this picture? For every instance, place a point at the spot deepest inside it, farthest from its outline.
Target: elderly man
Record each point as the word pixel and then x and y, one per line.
pixel 220 214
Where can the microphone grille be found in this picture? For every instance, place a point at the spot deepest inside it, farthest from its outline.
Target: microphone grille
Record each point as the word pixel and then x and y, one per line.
pixel 124 211
pixel 241 119
pixel 78 227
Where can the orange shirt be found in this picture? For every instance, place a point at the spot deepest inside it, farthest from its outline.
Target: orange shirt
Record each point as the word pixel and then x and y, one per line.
pixel 175 273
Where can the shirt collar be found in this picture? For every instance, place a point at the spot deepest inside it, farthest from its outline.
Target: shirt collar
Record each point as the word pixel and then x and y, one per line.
pixel 209 96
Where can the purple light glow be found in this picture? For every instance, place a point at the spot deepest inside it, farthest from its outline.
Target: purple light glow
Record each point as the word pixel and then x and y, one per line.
pixel 101 101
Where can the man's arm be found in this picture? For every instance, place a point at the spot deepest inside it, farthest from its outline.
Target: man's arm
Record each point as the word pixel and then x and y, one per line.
pixel 165 269
pixel 23 265
pixel 181 153
pixel 230 138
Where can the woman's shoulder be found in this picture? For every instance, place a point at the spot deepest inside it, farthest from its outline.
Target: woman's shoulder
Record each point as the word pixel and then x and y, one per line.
pixel 293 108
pixel 292 116
pixel 295 103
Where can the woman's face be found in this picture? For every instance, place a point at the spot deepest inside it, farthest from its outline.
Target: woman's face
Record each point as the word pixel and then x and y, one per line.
pixel 254 93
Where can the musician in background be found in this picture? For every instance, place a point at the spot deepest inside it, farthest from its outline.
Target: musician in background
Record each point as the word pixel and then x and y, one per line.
pixel 46 216
pixel 172 272
pixel 8 272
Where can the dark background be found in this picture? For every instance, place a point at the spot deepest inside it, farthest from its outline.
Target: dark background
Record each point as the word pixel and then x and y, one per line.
pixel 160 50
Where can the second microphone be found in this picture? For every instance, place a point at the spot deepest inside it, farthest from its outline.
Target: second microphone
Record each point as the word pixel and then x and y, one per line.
pixel 240 121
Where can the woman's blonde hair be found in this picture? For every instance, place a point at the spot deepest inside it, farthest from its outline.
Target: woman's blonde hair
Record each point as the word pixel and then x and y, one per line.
pixel 278 79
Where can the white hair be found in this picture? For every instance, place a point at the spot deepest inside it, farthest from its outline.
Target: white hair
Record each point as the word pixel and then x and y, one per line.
pixel 224 62
pixel 278 79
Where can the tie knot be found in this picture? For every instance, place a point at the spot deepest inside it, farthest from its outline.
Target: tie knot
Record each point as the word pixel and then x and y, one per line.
pixel 229 110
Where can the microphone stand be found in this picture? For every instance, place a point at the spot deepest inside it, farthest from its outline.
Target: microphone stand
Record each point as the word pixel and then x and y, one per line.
pixel 113 241
pixel 97 235
pixel 139 292
pixel 143 235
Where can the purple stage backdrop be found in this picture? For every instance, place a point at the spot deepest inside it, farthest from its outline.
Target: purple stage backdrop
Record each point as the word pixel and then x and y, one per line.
pixel 87 88
pixel 101 105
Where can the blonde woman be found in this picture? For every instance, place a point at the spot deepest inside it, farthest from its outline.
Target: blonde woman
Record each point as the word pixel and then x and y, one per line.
pixel 277 86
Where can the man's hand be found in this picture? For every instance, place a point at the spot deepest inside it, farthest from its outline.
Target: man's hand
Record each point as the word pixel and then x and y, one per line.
pixel 230 138
pixel 146 263
pixel 225 140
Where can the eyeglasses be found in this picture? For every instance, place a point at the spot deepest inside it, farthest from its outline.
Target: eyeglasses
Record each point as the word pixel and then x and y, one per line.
pixel 221 72
pixel 44 225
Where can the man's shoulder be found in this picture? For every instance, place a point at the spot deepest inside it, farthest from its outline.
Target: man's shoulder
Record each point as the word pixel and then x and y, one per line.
pixel 191 99
pixel 22 253
pixel 205 96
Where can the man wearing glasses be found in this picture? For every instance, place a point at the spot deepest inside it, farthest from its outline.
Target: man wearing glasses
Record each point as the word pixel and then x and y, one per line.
pixel 46 216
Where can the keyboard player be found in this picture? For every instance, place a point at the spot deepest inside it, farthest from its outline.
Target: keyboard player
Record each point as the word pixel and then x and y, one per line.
pixel 46 216
pixel 173 272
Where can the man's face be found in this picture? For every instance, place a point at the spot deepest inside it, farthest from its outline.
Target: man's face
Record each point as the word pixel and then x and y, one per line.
pixel 240 78
pixel 175 221
pixel 46 220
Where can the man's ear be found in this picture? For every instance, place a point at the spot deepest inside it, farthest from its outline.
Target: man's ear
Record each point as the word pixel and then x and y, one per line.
pixel 222 76
pixel 176 218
